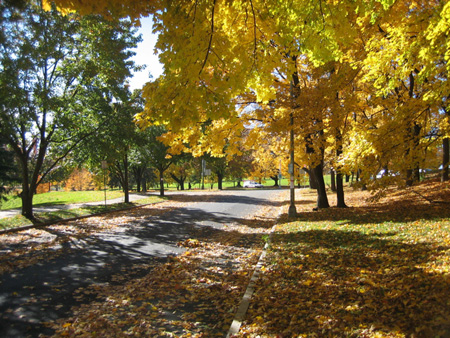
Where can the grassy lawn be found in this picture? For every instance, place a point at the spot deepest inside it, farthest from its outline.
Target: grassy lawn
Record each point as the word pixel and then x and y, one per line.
pixel 17 221
pixel 372 270
pixel 61 197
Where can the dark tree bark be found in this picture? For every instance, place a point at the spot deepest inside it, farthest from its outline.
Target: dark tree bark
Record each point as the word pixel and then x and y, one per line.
pixel 161 182
pixel 340 191
pixel 144 185
pixel 312 180
pixel 413 173
pixel 333 180
pixel 322 199
pixel 138 172
pixel 125 184
pixel 445 153
pixel 180 180
pixel 219 180
pixel 339 178
pixel 445 159
pixel 275 180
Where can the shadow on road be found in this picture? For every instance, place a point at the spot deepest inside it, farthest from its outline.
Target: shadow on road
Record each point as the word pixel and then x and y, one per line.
pixel 46 280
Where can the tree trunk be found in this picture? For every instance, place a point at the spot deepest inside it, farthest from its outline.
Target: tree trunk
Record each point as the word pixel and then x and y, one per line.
pixel 180 180
pixel 340 191
pixel 219 181
pixel 445 151
pixel 322 199
pixel 27 203
pixel 161 182
pixel 445 159
pixel 144 185
pixel 27 192
pixel 125 179
pixel 312 179
pixel 339 178
pixel 333 180
pixel 138 176
pixel 275 180
pixel 413 172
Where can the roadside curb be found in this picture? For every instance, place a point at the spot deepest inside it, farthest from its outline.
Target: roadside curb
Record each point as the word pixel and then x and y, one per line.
pixel 45 224
pixel 245 301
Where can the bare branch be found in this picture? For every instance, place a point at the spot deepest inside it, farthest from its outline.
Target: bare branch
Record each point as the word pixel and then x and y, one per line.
pixel 210 37
pixel 254 30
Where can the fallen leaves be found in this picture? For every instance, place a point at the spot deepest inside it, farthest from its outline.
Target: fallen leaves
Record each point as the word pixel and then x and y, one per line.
pixel 379 270
pixel 375 270
pixel 191 295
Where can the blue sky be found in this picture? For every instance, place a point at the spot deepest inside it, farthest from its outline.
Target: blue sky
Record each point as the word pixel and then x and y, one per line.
pixel 145 56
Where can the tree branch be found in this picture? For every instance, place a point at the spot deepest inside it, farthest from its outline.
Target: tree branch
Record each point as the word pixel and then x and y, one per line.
pixel 210 38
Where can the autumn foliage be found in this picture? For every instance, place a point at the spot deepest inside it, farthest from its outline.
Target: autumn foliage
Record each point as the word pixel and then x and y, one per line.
pixel 80 179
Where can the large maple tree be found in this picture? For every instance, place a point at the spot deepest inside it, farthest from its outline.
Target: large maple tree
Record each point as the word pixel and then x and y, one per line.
pixel 215 51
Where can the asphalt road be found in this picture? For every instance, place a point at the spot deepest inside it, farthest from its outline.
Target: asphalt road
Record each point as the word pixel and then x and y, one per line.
pixel 46 291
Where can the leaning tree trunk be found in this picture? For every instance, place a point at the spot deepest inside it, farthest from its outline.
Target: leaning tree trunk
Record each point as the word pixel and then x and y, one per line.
pixel 180 180
pixel 275 180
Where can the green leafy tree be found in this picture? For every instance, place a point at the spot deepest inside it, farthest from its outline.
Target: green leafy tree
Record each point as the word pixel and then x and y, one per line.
pixel 57 74
pixel 8 169
pixel 157 153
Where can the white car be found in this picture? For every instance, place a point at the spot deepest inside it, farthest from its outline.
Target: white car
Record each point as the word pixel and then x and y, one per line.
pixel 252 184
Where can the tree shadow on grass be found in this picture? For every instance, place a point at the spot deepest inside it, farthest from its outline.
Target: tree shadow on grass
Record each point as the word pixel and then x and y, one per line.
pixel 377 213
pixel 334 283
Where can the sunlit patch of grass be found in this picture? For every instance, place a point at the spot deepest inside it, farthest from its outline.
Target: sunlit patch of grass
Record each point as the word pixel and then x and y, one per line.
pixel 46 217
pixel 13 201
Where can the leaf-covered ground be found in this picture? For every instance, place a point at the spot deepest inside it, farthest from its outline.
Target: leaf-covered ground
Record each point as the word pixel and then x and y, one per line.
pixel 371 270
pixel 191 295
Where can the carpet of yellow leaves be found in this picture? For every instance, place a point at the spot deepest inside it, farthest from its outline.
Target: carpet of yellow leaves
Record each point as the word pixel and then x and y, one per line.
pixel 371 270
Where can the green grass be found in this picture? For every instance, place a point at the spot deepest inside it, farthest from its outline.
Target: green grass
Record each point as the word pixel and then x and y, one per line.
pixel 61 197
pixel 19 220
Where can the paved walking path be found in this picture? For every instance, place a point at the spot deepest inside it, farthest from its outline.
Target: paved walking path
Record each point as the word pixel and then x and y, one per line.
pixel 50 208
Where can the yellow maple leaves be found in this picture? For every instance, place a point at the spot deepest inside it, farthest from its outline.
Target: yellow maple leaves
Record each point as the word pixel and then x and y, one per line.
pixel 370 72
